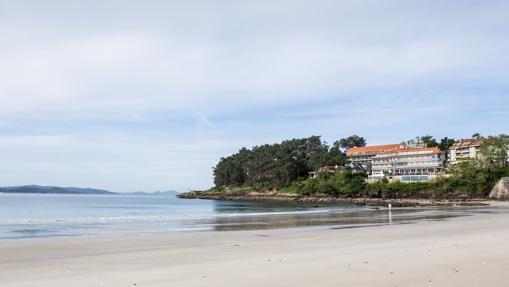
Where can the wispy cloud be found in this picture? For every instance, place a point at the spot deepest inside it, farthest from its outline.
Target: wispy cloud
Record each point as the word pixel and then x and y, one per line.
pixel 116 87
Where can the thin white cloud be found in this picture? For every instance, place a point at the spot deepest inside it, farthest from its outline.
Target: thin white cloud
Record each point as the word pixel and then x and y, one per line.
pixel 82 82
pixel 151 66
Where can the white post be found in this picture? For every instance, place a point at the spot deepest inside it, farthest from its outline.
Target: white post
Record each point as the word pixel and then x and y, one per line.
pixel 390 213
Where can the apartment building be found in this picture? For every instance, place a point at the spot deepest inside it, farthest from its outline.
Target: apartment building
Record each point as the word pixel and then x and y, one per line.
pixel 464 148
pixel 407 164
pixel 360 158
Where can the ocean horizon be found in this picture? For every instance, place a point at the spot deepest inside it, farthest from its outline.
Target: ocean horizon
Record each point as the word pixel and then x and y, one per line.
pixel 24 216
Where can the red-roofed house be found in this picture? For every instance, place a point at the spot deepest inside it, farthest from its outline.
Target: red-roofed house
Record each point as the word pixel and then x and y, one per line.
pixel 464 148
pixel 360 157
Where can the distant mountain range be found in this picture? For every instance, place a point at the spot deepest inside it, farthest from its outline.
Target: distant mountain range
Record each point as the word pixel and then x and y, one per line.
pixel 52 189
pixel 76 190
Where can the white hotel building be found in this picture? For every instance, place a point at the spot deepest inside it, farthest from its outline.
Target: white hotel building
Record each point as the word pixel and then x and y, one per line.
pixel 407 165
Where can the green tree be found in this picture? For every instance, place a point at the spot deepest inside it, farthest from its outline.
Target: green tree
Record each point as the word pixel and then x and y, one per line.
pixel 336 156
pixel 272 165
pixel 446 143
pixel 469 178
pixel 493 151
pixel 504 137
pixel 352 141
pixel 429 141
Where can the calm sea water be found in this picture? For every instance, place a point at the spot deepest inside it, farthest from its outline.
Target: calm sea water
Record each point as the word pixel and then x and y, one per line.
pixel 53 215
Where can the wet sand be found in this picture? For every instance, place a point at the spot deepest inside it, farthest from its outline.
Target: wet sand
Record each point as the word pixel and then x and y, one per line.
pixel 464 251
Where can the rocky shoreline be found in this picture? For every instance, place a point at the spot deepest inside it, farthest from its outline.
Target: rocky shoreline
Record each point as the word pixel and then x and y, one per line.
pixel 330 199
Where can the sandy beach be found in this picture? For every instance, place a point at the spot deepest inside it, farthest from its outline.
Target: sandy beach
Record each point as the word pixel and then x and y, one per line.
pixel 466 251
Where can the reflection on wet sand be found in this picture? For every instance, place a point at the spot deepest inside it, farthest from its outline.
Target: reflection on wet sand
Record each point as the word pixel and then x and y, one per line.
pixel 344 218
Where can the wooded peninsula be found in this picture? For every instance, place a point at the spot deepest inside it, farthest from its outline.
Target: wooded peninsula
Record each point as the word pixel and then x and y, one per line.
pixel 281 171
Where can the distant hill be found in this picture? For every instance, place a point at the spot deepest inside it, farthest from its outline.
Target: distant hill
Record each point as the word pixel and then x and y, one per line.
pixel 52 189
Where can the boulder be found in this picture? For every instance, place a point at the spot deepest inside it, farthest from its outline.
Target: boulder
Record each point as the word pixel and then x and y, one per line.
pixel 188 195
pixel 501 190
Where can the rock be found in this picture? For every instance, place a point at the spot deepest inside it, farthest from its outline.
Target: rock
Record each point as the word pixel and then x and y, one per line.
pixel 318 198
pixel 188 195
pixel 501 190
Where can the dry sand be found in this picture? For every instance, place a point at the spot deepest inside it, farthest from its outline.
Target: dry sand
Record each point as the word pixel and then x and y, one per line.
pixel 469 251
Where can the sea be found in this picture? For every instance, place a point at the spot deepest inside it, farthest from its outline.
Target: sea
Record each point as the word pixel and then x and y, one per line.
pixel 30 216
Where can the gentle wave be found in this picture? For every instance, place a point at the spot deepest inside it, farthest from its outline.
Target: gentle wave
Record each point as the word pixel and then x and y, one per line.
pixel 274 213
pixel 145 218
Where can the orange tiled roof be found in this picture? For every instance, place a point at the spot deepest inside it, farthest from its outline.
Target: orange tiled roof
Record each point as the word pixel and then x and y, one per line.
pixel 405 150
pixel 463 143
pixel 374 149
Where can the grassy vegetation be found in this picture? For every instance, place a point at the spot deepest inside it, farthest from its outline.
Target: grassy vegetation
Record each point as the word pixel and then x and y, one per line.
pixel 470 179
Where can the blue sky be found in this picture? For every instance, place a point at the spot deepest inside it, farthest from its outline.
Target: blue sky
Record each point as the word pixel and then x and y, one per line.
pixel 148 95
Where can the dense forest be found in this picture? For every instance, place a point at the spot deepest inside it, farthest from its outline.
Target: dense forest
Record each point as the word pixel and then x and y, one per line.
pixel 285 166
pixel 278 165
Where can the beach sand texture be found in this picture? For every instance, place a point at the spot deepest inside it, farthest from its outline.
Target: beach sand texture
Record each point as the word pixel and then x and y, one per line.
pixel 468 251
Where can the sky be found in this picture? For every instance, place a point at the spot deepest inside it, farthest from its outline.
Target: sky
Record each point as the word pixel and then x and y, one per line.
pixel 149 95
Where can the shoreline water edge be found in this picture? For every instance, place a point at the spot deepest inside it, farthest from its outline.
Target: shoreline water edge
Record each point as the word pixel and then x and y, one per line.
pixel 470 251
pixel 377 202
